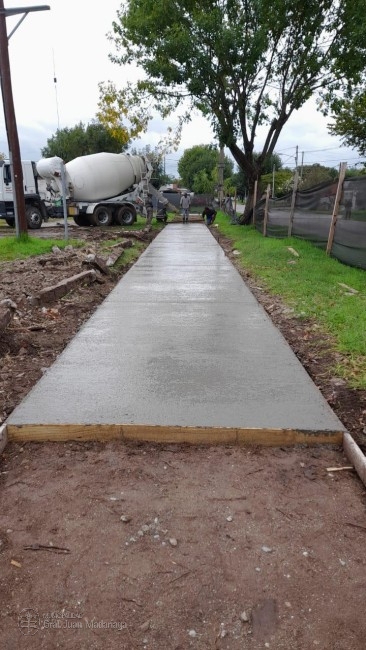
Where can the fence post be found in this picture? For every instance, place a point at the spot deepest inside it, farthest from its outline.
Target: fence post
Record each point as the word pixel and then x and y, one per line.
pixel 342 173
pixel 255 199
pixel 293 203
pixel 266 211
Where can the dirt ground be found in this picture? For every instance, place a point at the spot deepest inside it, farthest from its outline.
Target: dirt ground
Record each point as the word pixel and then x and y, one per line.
pixel 172 547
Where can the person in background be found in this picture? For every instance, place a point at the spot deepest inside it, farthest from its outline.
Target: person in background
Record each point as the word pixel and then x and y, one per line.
pixel 229 205
pixel 149 211
pixel 185 202
pixel 210 213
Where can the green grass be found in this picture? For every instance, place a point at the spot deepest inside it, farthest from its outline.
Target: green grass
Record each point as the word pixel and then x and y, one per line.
pixel 129 255
pixel 310 285
pixel 11 248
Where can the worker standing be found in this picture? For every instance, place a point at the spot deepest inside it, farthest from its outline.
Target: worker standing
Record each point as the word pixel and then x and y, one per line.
pixel 149 211
pixel 185 202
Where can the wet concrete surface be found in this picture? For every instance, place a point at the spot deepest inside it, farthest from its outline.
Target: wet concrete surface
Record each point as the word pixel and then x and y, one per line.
pixel 180 341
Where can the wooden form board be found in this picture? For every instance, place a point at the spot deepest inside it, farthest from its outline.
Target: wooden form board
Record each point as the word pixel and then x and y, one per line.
pixel 170 434
pixel 3 437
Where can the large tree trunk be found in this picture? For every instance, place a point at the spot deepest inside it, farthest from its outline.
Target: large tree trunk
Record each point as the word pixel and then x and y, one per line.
pixel 252 171
pixel 247 217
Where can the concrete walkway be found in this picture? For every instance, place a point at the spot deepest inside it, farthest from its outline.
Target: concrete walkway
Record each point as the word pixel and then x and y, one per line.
pixel 180 350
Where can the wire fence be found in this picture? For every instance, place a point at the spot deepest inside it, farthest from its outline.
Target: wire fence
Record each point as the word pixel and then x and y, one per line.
pixel 317 216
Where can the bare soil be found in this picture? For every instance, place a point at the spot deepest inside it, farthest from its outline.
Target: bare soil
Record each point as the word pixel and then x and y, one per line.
pixel 172 547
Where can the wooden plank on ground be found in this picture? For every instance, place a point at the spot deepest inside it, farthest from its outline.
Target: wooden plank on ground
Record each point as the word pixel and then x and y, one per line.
pixel 171 434
pixel 3 437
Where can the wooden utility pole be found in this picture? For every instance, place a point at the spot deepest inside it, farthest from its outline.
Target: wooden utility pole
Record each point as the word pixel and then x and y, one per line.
pixel 11 128
pixel 9 114
pixel 293 203
pixel 342 173
pixel 266 209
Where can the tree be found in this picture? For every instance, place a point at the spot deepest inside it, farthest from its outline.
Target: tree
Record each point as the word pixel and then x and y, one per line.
pixel 241 181
pixel 156 158
pixel 203 183
pixel 201 157
pixel 282 182
pixel 244 65
pixel 114 107
pixel 315 174
pixel 350 121
pixel 353 172
pixel 69 143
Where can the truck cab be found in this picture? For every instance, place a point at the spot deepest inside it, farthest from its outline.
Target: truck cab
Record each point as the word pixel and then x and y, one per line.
pixel 36 211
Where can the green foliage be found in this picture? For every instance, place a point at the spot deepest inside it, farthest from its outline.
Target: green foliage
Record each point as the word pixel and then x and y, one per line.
pixel 115 107
pixel 243 65
pixel 242 182
pixel 352 172
pixel 315 174
pixel 203 183
pixel 69 143
pixel 310 176
pixel 156 158
pixel 350 121
pixel 202 157
pixel 282 181
pixel 311 287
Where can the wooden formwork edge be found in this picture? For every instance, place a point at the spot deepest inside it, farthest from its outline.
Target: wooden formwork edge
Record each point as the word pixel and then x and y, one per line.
pixel 355 456
pixel 3 437
pixel 171 434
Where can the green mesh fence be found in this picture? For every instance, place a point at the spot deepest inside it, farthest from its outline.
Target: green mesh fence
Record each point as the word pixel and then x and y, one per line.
pixel 312 219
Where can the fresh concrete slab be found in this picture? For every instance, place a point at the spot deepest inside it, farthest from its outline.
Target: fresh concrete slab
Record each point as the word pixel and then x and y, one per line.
pixel 180 343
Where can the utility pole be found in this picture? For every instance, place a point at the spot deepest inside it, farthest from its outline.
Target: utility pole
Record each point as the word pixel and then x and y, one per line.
pixel 9 114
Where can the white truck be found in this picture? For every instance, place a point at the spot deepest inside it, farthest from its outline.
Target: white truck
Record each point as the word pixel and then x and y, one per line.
pixel 101 189
pixel 36 209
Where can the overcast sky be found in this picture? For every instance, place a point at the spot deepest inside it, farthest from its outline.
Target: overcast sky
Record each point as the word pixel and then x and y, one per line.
pixel 69 42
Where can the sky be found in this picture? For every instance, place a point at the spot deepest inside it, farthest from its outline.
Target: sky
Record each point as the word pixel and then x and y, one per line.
pixel 69 42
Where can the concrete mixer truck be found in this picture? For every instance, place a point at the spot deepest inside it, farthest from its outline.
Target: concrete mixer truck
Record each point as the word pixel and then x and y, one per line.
pixel 101 189
pixel 36 209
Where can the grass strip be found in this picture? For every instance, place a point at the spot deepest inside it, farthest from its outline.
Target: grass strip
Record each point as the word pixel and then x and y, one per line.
pixel 311 284
pixel 12 248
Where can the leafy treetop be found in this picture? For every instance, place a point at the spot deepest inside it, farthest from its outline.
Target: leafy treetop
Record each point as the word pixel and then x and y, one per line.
pixel 243 64
pixel 81 140
pixel 203 159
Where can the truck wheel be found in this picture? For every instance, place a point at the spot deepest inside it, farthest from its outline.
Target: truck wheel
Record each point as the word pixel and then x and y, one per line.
pixel 102 216
pixel 126 216
pixel 81 220
pixel 10 222
pixel 34 217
